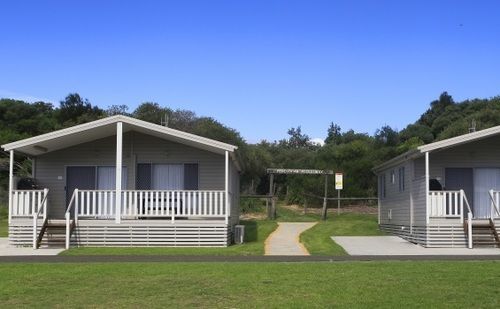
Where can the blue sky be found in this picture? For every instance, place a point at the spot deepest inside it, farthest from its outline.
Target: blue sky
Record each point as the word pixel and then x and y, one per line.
pixel 258 66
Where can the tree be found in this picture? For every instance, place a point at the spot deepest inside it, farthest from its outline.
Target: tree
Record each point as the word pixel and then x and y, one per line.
pixel 297 139
pixel 74 110
pixel 151 112
pixel 422 132
pixel 117 110
pixel 334 134
pixel 387 136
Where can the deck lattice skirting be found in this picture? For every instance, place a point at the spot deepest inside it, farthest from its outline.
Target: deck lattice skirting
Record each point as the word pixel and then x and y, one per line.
pixel 137 233
pixel 440 236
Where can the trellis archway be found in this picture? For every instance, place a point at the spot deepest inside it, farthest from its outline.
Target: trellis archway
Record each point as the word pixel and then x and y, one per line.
pixel 271 209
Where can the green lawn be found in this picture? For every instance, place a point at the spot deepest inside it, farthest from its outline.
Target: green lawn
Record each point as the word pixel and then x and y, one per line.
pixel 252 285
pixel 4 226
pixel 318 240
pixel 256 233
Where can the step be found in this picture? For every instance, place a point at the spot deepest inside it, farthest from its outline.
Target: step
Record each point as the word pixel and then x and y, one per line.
pixel 56 223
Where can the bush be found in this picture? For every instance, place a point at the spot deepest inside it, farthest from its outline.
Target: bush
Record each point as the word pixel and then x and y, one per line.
pixel 252 205
pixel 4 212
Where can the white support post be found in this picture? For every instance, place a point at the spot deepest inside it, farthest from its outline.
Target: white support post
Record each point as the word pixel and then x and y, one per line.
pixel 226 184
pixel 118 170
pixel 45 199
pixel 77 210
pixel 469 230
pixel 67 230
pixel 412 176
pixel 11 183
pixel 35 228
pixel 461 206
pixel 427 202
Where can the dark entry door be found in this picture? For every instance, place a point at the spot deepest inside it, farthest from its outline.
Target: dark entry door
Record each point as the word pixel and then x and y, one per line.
pixel 461 179
pixel 81 177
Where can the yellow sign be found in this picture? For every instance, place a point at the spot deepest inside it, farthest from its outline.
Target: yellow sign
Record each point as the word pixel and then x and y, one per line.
pixel 339 181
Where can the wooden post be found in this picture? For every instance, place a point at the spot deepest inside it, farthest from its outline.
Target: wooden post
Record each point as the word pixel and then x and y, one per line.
pixel 338 202
pixel 271 194
pixel 325 198
pixel 305 206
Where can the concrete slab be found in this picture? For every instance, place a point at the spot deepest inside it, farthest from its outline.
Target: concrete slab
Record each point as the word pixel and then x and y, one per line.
pixel 285 239
pixel 7 250
pixel 393 245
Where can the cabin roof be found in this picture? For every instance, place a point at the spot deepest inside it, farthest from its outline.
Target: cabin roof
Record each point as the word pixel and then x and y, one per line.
pixel 447 143
pixel 105 127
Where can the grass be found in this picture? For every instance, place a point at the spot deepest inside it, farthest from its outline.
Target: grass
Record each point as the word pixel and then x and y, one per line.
pixel 256 233
pixel 252 285
pixel 4 226
pixel 318 240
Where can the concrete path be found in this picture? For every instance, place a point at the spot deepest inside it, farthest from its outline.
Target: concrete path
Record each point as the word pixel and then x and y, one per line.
pixel 396 246
pixel 7 250
pixel 285 239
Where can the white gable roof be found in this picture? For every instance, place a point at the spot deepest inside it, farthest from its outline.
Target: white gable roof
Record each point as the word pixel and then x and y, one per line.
pixel 447 143
pixel 107 127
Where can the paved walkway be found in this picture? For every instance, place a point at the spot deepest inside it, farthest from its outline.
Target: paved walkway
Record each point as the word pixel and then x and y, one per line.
pixel 285 239
pixel 396 246
pixel 7 250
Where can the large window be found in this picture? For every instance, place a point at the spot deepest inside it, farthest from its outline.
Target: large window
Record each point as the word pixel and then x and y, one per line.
pixel 401 177
pixel 152 176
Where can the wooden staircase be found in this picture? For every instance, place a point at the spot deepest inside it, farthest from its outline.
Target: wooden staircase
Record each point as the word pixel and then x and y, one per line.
pixel 53 233
pixel 484 233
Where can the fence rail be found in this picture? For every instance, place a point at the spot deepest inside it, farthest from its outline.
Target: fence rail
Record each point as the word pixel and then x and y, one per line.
pixel 26 203
pixel 446 204
pixel 150 203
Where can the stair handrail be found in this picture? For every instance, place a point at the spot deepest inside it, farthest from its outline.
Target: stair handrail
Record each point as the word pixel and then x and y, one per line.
pixel 67 216
pixel 36 215
pixel 470 216
pixel 494 205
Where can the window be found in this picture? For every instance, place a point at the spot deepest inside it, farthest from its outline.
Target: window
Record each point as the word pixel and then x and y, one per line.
pixel 167 176
pixel 401 179
pixel 393 177
pixel 382 186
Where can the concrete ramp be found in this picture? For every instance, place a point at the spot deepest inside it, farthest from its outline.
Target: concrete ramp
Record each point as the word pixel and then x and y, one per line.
pixel 393 245
pixel 285 239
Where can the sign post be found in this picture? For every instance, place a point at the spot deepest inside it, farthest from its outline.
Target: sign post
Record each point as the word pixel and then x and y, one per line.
pixel 325 199
pixel 339 185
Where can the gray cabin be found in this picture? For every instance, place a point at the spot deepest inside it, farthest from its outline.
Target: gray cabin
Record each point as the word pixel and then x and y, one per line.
pixel 172 188
pixel 444 194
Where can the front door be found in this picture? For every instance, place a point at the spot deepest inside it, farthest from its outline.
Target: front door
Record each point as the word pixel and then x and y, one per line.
pixel 81 177
pixel 460 179
pixel 485 179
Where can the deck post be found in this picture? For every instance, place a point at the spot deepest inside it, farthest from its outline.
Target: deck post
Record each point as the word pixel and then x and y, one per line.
pixel 118 170
pixel 427 186
pixel 11 183
pixel 226 184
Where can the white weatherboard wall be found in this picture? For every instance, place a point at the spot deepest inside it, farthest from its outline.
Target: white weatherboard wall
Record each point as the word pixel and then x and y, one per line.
pixel 137 148
pixel 396 202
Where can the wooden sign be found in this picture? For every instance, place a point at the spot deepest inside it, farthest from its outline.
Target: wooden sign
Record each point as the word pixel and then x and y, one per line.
pixel 298 171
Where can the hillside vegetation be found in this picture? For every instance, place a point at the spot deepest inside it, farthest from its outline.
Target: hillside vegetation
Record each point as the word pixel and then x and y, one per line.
pixel 354 153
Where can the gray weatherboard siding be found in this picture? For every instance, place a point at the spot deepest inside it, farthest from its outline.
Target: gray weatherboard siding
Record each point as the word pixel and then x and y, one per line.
pixel 137 148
